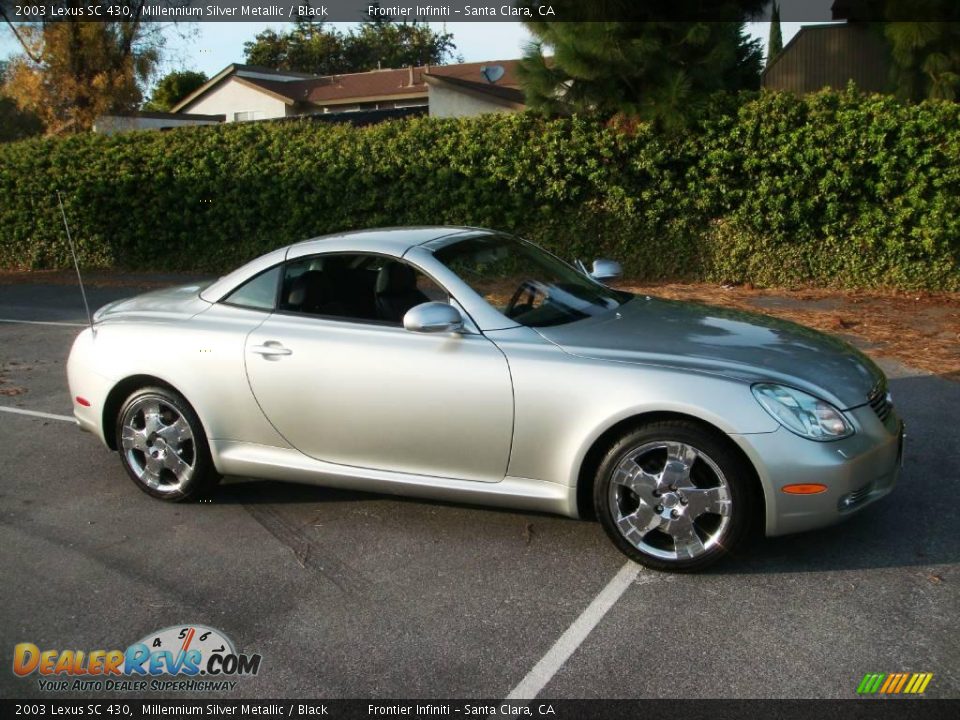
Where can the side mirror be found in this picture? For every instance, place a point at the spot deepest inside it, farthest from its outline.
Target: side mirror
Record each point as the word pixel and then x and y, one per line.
pixel 433 317
pixel 604 269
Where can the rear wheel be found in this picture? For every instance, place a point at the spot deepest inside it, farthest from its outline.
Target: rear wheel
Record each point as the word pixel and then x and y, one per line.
pixel 163 447
pixel 672 495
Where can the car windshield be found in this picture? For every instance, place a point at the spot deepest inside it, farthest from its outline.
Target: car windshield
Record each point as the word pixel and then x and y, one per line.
pixel 527 284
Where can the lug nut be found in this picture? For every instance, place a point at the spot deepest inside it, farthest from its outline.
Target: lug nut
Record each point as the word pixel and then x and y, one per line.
pixel 683 501
pixel 656 493
pixel 673 488
pixel 675 513
pixel 659 508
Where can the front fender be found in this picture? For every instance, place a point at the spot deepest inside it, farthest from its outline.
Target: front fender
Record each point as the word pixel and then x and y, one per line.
pixel 564 404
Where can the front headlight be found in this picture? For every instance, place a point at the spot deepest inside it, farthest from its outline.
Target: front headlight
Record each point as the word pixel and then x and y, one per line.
pixel 801 413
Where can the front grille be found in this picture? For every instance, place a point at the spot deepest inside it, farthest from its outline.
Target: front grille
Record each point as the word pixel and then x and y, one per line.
pixel 880 401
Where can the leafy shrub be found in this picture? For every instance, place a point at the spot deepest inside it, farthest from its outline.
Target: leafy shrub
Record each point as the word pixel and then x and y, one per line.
pixel 833 189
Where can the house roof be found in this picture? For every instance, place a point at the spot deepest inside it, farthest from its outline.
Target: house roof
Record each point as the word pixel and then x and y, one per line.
pixel 473 72
pixel 507 96
pixel 398 83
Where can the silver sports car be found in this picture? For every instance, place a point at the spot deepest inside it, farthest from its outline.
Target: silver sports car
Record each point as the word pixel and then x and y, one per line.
pixel 468 365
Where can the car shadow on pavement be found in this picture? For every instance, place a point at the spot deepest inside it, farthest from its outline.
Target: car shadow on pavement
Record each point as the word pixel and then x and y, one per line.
pixel 244 491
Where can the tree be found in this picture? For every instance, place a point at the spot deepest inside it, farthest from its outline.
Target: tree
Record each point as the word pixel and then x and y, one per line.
pixel 308 47
pixel 642 68
pixel 775 42
pixel 926 54
pixel 17 124
pixel 387 44
pixel 70 72
pixel 744 74
pixel 172 88
pixel 312 47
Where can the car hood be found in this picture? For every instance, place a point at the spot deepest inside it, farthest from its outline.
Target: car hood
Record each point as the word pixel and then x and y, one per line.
pixel 747 346
pixel 169 303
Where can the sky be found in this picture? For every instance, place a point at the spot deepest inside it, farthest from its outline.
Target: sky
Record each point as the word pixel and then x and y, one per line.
pixel 220 44
pixel 211 46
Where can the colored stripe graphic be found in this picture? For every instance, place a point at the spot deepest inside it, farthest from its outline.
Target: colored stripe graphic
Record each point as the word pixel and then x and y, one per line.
pixel 889 682
pixel 894 683
pixel 903 680
pixel 918 683
pixel 870 683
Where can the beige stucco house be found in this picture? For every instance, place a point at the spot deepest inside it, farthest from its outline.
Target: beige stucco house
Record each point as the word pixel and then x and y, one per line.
pixel 244 92
pixel 241 93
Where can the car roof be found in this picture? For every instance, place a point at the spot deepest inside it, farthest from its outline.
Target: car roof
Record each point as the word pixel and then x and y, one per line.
pixel 389 241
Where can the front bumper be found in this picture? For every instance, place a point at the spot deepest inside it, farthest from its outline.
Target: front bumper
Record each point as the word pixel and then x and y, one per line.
pixel 857 471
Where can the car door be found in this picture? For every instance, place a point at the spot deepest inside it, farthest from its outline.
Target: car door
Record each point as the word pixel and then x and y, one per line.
pixel 345 385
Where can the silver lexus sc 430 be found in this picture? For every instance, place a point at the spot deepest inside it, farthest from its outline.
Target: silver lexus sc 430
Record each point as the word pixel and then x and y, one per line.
pixel 471 366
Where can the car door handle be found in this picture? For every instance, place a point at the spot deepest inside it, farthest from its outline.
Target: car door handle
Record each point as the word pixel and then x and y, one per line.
pixel 270 349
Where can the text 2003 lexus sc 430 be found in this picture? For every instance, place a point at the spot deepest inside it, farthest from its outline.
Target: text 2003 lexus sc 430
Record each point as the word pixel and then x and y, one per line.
pixel 468 365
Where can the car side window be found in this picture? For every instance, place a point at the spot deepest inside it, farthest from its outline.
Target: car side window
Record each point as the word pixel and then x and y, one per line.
pixel 258 293
pixel 356 286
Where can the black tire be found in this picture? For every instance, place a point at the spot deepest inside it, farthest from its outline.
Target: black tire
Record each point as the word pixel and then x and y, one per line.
pixel 731 494
pixel 166 458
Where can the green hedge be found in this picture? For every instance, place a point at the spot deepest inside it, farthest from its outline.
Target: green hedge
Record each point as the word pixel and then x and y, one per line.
pixel 833 189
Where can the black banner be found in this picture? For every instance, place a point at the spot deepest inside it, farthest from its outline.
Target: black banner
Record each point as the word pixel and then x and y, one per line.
pixel 22 11
pixel 872 709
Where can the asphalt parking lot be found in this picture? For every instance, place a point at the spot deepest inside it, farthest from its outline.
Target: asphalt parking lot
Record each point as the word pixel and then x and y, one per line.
pixel 355 595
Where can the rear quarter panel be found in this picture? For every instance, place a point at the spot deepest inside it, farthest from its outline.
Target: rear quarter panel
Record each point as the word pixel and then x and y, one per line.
pixel 201 356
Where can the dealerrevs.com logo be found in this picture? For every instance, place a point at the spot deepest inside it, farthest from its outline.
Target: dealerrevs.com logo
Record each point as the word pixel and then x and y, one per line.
pixel 191 658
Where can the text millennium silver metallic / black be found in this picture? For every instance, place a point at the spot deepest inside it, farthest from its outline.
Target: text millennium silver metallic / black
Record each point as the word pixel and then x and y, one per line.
pixel 220 11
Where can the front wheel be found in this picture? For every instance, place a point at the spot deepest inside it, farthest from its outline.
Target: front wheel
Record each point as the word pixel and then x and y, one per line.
pixel 674 496
pixel 163 446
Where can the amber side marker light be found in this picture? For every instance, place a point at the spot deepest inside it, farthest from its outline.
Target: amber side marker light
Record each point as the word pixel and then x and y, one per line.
pixel 804 489
pixel 82 401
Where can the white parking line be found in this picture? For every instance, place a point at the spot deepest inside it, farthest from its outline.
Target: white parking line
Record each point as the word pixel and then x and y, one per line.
pixel 574 636
pixel 37 413
pixel 41 322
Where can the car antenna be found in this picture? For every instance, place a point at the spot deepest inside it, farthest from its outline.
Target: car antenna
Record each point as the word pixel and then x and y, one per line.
pixel 76 263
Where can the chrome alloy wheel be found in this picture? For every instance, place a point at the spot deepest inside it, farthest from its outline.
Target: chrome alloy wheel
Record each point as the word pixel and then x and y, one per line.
pixel 670 500
pixel 158 444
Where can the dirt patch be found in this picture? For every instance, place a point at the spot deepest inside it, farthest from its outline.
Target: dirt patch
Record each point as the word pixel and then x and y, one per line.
pixel 8 390
pixel 921 330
